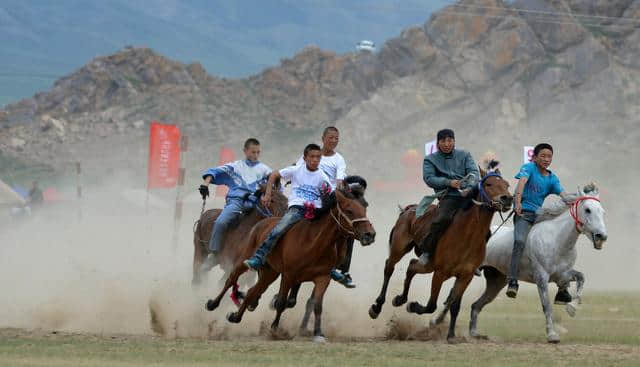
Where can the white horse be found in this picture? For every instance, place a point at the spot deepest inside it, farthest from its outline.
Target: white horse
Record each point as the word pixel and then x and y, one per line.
pixel 549 255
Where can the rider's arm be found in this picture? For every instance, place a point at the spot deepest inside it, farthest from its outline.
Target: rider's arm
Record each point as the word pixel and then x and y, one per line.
pixel 471 168
pixel 519 189
pixel 430 178
pixel 272 180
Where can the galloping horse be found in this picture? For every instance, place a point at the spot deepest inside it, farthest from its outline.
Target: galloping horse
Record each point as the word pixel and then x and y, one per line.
pixel 549 255
pixel 235 236
pixel 460 251
pixel 307 252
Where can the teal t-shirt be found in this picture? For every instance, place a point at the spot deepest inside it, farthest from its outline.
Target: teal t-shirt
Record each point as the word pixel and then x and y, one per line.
pixel 538 187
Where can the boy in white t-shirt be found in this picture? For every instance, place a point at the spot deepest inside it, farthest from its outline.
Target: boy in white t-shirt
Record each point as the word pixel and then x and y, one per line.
pixel 335 167
pixel 307 183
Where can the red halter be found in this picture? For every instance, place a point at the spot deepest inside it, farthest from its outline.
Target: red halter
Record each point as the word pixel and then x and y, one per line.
pixel 573 210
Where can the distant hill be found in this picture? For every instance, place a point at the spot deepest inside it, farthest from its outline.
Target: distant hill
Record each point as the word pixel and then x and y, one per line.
pixel 44 40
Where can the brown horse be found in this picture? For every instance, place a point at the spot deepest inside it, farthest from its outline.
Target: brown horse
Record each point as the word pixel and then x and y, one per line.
pixel 236 236
pixel 307 252
pixel 460 251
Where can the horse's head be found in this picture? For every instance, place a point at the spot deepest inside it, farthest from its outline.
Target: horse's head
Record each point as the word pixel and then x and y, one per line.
pixel 352 216
pixel 278 204
pixel 493 189
pixel 356 185
pixel 588 214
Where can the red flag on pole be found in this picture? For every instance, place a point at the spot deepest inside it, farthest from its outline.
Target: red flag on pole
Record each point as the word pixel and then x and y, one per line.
pixel 164 156
pixel 226 156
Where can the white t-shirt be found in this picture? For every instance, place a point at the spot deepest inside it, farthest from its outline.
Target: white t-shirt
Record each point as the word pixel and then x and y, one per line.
pixel 333 166
pixel 305 184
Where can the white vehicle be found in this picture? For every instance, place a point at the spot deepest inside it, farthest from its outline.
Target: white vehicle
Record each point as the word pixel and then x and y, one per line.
pixel 366 45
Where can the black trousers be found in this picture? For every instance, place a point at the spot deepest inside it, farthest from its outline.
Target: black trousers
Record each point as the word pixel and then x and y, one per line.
pixel 346 263
pixel 447 208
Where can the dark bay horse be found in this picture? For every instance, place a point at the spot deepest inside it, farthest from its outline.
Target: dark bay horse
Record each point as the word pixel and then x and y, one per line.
pixel 307 252
pixel 236 236
pixel 460 250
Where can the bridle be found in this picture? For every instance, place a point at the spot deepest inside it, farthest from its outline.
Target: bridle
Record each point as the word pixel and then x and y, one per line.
pixel 351 222
pixel 573 210
pixel 485 200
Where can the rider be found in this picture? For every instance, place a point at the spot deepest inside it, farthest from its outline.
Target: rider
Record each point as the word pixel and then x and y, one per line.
pixel 242 177
pixel 334 166
pixel 307 184
pixel 443 171
pixel 535 183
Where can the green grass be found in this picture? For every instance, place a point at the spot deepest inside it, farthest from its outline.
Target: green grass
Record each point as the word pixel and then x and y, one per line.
pixel 604 333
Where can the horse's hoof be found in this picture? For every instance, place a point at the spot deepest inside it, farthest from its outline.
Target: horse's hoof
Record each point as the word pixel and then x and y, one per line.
pixel 553 338
pixel 212 305
pixel 398 301
pixel 373 313
pixel 478 336
pixel 319 339
pixel 456 340
pixel 571 309
pixel 251 308
pixel 233 317
pixel 431 307
pixel 413 307
pixel 291 303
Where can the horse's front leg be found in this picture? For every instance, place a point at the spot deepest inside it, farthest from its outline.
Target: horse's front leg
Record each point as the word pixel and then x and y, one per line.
pixel 432 305
pixel 564 282
pixel 321 284
pixel 542 281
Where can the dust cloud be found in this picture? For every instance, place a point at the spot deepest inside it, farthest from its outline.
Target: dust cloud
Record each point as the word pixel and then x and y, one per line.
pixel 107 264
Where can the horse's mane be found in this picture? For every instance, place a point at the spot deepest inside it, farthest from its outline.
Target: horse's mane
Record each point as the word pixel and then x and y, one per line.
pixel 355 189
pixel 555 206
pixel 551 209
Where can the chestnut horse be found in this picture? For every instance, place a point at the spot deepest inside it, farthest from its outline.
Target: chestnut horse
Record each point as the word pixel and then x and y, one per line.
pixel 235 235
pixel 460 250
pixel 307 252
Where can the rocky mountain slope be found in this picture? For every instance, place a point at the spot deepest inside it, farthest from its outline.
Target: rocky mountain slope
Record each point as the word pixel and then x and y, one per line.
pixel 502 73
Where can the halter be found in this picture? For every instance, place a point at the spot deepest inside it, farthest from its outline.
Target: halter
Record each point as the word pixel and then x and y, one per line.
pixel 485 200
pixel 350 221
pixel 573 210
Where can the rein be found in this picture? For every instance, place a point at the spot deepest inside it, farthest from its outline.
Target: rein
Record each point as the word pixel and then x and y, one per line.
pixel 350 221
pixel 573 210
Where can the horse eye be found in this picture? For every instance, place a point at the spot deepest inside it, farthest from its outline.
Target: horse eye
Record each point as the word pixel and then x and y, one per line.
pixel 588 211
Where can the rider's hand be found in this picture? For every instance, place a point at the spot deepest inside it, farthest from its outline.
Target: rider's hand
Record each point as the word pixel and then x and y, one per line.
pixel 266 198
pixel 518 207
pixel 204 191
pixel 455 184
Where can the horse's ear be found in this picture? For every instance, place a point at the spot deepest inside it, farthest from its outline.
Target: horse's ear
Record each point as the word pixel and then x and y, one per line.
pixel 482 172
pixel 277 184
pixel 591 190
pixel 498 171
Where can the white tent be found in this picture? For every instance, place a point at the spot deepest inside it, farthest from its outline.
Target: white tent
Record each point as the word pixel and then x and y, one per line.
pixel 8 196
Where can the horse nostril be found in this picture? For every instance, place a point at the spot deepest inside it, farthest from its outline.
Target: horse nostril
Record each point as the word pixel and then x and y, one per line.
pixel 601 237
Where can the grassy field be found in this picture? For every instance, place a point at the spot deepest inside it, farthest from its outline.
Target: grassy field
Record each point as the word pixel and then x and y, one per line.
pixel 606 332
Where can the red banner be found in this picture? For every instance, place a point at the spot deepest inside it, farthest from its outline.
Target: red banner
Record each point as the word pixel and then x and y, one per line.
pixel 226 156
pixel 164 156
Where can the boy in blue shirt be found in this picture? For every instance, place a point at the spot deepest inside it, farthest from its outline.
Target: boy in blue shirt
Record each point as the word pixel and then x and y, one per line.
pixel 243 178
pixel 535 183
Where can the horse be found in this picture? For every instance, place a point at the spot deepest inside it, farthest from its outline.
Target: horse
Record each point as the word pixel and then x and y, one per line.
pixel 307 252
pixel 235 235
pixel 460 251
pixel 549 255
pixel 357 186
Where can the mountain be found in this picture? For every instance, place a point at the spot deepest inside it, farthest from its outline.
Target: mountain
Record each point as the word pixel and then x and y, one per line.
pixel 43 40
pixel 504 74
